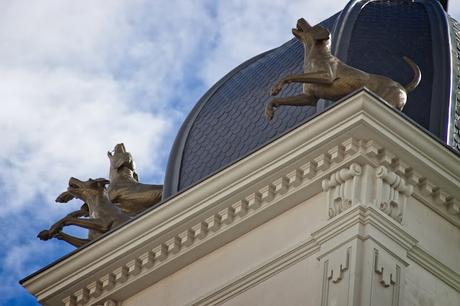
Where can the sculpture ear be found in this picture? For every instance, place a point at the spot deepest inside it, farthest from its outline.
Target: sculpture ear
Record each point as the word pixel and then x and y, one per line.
pixel 320 33
pixel 102 182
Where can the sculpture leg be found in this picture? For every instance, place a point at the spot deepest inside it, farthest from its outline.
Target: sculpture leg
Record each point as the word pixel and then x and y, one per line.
pixel 56 227
pixel 300 100
pixel 320 77
pixel 94 224
pixel 75 241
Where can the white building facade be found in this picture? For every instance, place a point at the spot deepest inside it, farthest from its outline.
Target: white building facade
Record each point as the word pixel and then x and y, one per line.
pixel 357 206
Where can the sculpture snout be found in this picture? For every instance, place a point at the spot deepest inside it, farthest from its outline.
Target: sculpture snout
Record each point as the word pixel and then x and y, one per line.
pixel 303 25
pixel 119 148
pixel 304 31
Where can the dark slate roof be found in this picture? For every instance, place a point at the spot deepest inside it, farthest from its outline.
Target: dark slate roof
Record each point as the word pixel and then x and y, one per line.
pixel 418 30
pixel 228 122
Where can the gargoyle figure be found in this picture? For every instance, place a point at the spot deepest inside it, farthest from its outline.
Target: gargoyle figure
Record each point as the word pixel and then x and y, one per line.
pixel 124 189
pixel 102 214
pixel 326 77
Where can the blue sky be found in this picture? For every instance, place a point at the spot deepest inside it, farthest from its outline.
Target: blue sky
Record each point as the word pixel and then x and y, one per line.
pixel 78 77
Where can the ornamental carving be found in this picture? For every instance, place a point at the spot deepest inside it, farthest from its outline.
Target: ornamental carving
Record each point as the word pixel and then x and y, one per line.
pixel 336 276
pixel 386 279
pixel 342 188
pixel 392 192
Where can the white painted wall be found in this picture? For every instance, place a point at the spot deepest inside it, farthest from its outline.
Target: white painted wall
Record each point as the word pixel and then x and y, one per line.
pixel 242 256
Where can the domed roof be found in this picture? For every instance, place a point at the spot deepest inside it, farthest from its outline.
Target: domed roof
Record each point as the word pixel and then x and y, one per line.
pixel 228 122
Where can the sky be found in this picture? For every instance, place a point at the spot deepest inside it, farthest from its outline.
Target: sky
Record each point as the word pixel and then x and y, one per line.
pixel 78 77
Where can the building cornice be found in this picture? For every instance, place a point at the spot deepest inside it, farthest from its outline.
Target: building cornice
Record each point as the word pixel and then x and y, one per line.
pixel 361 130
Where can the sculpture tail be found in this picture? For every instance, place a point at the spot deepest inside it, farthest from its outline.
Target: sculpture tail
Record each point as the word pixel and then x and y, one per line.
pixel 417 75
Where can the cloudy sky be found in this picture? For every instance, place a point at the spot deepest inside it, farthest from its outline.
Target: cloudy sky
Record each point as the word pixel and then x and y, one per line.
pixel 77 77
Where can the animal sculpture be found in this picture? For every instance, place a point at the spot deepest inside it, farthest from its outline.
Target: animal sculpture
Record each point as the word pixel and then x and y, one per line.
pixel 124 188
pixel 97 214
pixel 326 77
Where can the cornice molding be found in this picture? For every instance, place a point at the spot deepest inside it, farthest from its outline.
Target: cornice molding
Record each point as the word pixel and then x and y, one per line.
pixel 259 274
pixel 435 267
pixel 361 130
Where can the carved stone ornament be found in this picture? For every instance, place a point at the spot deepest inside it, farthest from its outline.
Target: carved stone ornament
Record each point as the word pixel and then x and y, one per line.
pixel 342 186
pixel 326 77
pixel 98 213
pixel 388 275
pixel 392 193
pixel 336 278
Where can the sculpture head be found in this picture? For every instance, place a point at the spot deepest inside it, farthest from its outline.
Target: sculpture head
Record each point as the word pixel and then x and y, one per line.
pixel 119 148
pixel 84 190
pixel 119 158
pixel 308 34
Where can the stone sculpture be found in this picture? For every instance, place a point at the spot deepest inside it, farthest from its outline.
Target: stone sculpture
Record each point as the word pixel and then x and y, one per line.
pixel 326 77
pixel 101 214
pixel 105 208
pixel 124 189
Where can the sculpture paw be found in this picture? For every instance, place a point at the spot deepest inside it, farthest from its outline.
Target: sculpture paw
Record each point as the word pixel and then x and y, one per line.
pixel 269 111
pixel 44 235
pixel 277 88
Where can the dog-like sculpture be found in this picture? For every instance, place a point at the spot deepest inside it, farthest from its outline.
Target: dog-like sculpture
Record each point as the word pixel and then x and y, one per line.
pixel 124 189
pixel 326 77
pixel 97 214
